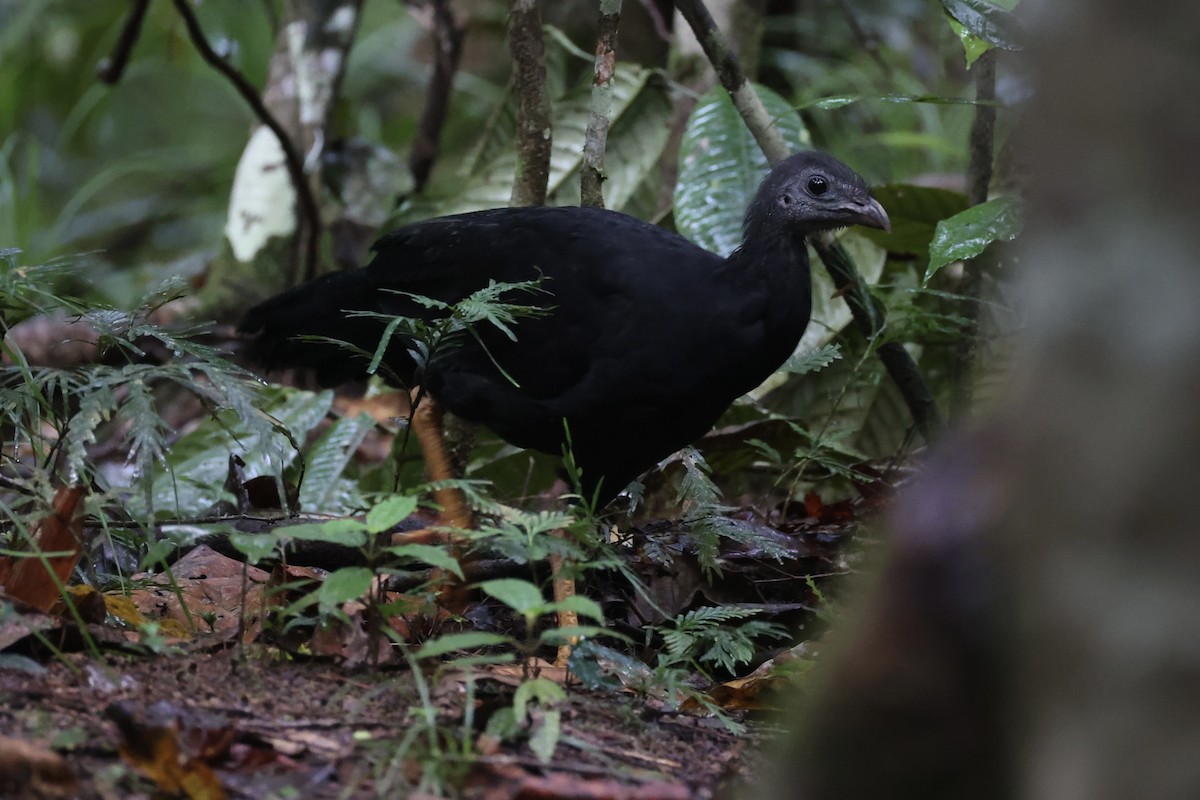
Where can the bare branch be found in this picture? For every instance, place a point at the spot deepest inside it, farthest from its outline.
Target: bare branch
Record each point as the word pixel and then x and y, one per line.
pixel 591 178
pixel 112 68
pixel 729 72
pixel 447 33
pixel 534 124
pixel 295 166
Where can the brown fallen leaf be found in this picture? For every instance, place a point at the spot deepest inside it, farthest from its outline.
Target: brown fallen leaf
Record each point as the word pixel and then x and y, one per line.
pixel 57 541
pixel 30 771
pixel 150 743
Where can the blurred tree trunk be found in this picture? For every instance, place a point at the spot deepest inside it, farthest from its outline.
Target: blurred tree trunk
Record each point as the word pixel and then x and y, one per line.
pixel 1033 634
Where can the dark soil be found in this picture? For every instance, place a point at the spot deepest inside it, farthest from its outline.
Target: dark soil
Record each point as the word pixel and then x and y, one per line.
pixel 314 730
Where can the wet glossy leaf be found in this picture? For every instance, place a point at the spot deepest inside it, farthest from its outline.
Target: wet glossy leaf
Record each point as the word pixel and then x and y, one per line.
pixel 988 21
pixel 968 234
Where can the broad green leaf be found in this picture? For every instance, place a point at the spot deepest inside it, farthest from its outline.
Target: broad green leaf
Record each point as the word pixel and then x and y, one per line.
pixel 720 167
pixel 254 546
pixel 545 691
pixel 345 532
pixel 546 733
pixel 521 596
pixel 990 21
pixel 429 554
pixel 325 462
pixel 199 462
pixel 343 585
pixel 982 20
pixel 569 634
pixel 585 606
pixel 968 233
pixel 453 642
pixel 915 212
pixel 637 134
pixel 390 512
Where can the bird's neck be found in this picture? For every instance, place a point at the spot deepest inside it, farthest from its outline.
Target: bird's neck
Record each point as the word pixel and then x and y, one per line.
pixel 778 261
pixel 770 275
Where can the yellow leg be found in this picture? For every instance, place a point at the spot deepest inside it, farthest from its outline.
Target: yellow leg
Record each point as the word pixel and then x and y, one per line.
pixel 427 427
pixel 563 588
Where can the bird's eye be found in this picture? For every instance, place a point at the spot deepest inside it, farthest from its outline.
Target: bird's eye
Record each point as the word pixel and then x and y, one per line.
pixel 817 185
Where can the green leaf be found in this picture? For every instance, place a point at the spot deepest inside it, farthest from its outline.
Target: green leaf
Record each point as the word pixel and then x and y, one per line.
pixel 343 585
pixel 521 596
pixel 199 462
pixel 387 514
pixel 987 21
pixel 584 606
pixel 453 642
pixel 546 734
pixel 345 532
pixel 914 211
pixel 812 361
pixel 569 634
pixel 323 490
pixel 721 165
pixel 973 46
pixel 968 234
pixel 638 133
pixel 430 554
pixel 254 546
pixel 545 691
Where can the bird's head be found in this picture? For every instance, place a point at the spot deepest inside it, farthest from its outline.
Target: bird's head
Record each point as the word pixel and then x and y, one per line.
pixel 812 192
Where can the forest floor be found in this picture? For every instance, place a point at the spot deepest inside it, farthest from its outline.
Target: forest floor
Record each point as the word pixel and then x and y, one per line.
pixel 259 727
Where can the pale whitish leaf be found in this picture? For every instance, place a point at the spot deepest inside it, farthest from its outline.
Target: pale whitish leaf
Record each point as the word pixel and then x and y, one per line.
pixel 428 554
pixel 343 585
pixel 390 512
pixel 453 642
pixel 344 532
pixel 327 459
pixel 262 203
pixel 521 596
pixel 721 165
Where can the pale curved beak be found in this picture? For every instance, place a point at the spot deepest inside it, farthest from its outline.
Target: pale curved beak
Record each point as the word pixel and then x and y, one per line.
pixel 870 214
